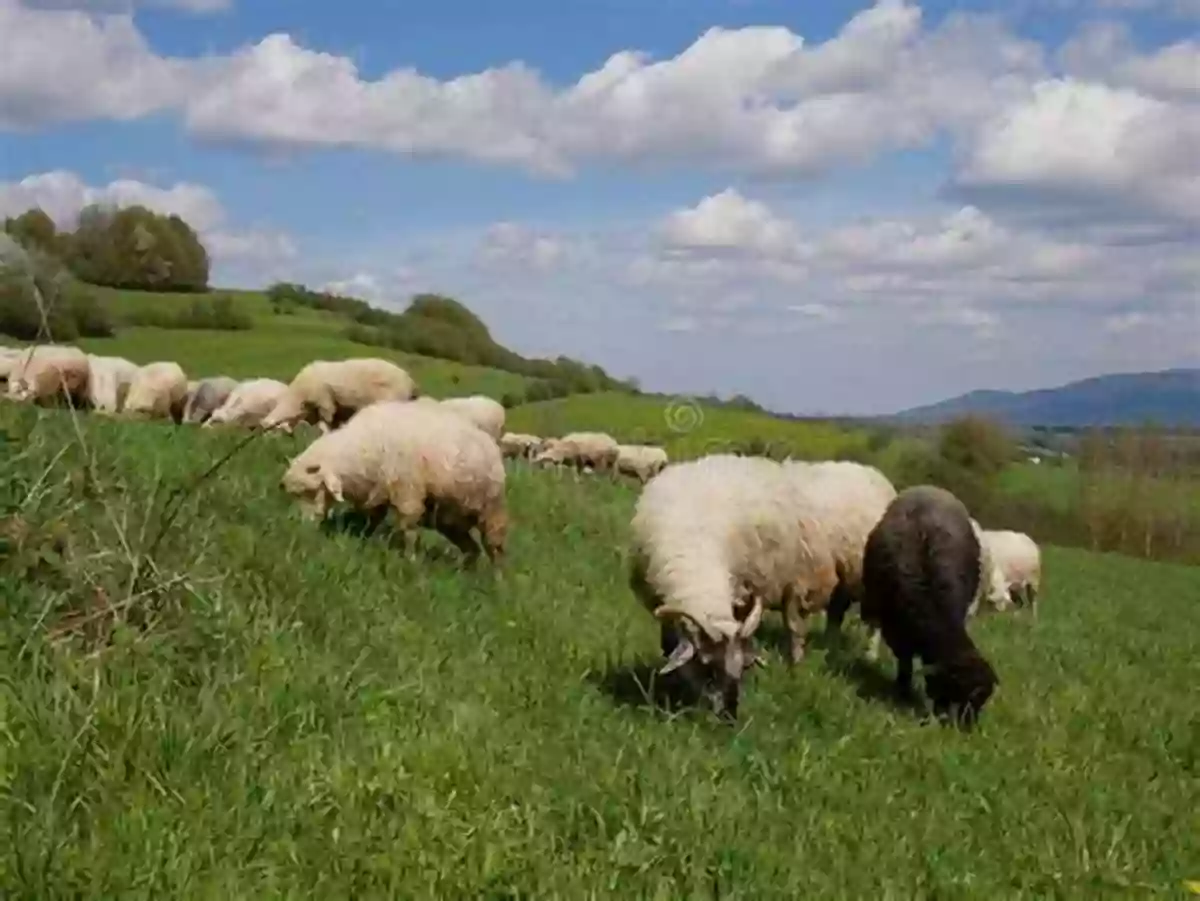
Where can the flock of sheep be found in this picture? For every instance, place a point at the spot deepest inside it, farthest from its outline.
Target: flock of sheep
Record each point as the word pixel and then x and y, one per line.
pixel 716 541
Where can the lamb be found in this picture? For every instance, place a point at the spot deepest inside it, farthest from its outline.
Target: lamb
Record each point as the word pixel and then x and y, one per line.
pixel 48 371
pixel 327 393
pixel 159 390
pixel 479 409
pixel 431 466
pixel 206 397
pixel 519 445
pixel 108 382
pixel 992 587
pixel 921 570
pixel 1019 561
pixel 848 499
pixel 642 461
pixel 711 538
pixel 248 403
pixel 580 449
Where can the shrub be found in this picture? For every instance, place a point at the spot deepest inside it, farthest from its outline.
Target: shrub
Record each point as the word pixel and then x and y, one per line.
pixel 217 313
pixel 31 283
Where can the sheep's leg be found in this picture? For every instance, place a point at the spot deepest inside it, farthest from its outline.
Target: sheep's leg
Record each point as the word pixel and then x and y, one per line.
pixel 797 624
pixel 1031 599
pixel 410 510
pixel 493 529
pixel 460 536
pixel 874 640
pixel 839 605
pixel 904 676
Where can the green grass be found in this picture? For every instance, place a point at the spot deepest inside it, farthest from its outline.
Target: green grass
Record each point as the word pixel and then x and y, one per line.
pixel 683 426
pixel 1060 487
pixel 277 347
pixel 309 714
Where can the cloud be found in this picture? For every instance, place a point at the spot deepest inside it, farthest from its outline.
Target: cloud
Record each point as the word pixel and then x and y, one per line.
pixel 728 222
pixel 116 7
pixel 62 195
pixel 1104 52
pixel 511 244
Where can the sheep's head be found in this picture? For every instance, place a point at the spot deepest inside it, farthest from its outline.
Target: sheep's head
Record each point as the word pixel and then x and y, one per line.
pixel 284 414
pixel 313 486
pixel 961 687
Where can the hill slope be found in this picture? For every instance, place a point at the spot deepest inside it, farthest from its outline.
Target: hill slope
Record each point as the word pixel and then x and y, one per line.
pixel 1170 398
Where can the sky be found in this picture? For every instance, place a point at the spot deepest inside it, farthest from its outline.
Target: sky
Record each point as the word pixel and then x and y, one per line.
pixel 832 208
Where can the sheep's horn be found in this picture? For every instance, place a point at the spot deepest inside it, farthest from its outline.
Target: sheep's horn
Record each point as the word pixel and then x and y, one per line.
pixel 670 611
pixel 684 651
pixel 753 618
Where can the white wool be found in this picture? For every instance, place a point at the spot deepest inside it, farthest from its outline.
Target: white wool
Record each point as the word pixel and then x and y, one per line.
pixel 46 370
pixel 519 444
pixel 248 403
pixel 1017 557
pixel 595 449
pixel 642 461
pixel 109 382
pixel 324 387
pixel 713 529
pixel 8 360
pixel 992 587
pixel 158 390
pixel 480 410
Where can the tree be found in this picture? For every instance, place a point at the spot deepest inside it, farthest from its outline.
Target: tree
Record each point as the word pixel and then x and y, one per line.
pixel 34 230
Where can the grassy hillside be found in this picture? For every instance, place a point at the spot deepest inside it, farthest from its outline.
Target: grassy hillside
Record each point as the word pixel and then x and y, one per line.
pixel 276 347
pixel 309 714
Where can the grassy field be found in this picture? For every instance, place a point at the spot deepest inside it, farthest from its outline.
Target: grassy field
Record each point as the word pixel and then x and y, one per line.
pixel 307 714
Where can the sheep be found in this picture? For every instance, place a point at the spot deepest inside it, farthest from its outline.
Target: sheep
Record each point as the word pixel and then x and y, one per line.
pixel 48 371
pixel 429 465
pixel 327 393
pixel 248 403
pixel 848 499
pixel 206 397
pixel 479 409
pixel 921 570
pixel 642 461
pixel 108 382
pixel 9 356
pixel 519 445
pixel 580 449
pixel 992 587
pixel 159 390
pixel 1019 561
pixel 711 538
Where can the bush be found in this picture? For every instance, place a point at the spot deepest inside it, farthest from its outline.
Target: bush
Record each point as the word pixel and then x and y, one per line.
pixel 32 282
pixel 217 313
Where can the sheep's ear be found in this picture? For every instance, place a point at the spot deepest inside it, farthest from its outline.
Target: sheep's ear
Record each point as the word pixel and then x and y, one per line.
pixel 332 484
pixel 684 651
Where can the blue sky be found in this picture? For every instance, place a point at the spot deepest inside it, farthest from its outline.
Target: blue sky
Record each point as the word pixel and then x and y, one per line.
pixel 852 207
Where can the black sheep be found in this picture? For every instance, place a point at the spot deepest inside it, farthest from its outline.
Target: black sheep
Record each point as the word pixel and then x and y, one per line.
pixel 921 568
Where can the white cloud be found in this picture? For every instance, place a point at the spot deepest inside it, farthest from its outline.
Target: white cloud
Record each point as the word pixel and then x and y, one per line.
pixel 1104 52
pixel 62 195
pixel 730 222
pixel 110 7
pixel 509 244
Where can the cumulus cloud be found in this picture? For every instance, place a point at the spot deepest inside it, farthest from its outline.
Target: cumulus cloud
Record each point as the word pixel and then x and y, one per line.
pixel 511 244
pixel 62 195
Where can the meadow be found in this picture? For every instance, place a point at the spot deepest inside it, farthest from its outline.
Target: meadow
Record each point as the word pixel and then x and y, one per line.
pixel 205 697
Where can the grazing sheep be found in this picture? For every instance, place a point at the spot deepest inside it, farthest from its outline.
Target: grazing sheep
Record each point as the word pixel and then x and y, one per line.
pixel 1019 561
pixel 847 499
pixel 248 403
pixel 431 466
pixel 581 450
pixel 715 541
pixel 480 410
pixel 992 587
pixel 327 393
pixel 109 382
pixel 921 570
pixel 8 361
pixel 158 391
pixel 519 445
pixel 642 461
pixel 46 372
pixel 206 397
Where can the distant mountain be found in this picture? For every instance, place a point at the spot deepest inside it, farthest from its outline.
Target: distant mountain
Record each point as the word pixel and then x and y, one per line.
pixel 1168 398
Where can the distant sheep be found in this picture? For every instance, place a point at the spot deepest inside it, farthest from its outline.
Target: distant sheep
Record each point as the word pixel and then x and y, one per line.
pixel 642 461
pixel 248 404
pixel 432 467
pixel 327 393
pixel 109 382
pixel 479 409
pixel 992 588
pixel 715 542
pixel 519 445
pixel 1019 561
pixel 158 391
pixel 921 571
pixel 206 397
pixel 47 372
pixel 583 450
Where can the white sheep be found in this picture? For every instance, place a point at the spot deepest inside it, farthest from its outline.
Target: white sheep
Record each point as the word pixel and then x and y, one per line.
pixel 847 500
pixel 206 396
pixel 580 449
pixel 158 391
pixel 1019 561
pixel 109 382
pixel 248 403
pixel 9 356
pixel 48 371
pixel 327 393
pixel 479 409
pixel 713 537
pixel 520 445
pixel 642 461
pixel 992 587
pixel 430 466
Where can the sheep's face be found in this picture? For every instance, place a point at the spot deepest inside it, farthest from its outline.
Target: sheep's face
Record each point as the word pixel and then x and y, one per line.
pixel 961 689
pixel 308 483
pixel 712 669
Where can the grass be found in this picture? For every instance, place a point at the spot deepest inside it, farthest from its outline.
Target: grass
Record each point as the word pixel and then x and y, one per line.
pixel 305 713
